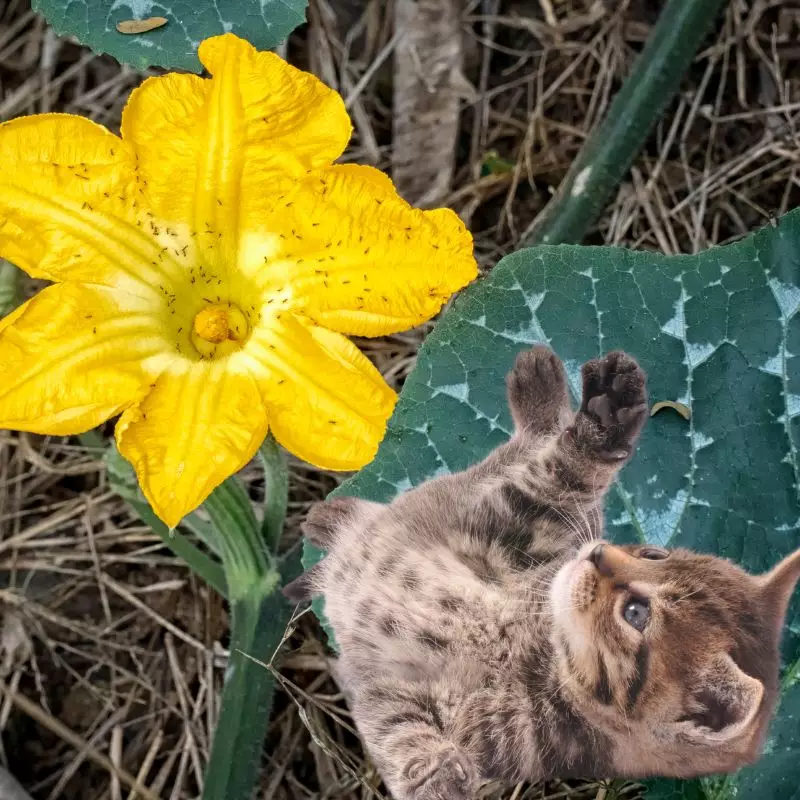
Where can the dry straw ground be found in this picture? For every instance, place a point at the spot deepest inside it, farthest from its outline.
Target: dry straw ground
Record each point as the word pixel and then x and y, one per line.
pixel 112 653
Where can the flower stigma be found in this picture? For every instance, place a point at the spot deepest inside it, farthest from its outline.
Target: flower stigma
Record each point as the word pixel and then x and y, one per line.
pixel 219 330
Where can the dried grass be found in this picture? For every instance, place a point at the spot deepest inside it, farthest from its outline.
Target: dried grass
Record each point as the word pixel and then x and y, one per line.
pixel 112 653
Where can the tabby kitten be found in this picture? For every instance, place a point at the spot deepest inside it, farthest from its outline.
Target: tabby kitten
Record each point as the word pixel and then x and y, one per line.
pixel 487 633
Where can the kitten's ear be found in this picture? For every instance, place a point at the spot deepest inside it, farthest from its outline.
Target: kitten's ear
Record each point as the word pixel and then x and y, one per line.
pixel 326 518
pixel 778 585
pixel 726 703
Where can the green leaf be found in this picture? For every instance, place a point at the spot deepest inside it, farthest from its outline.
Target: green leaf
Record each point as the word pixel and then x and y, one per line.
pixel 717 331
pixel 677 790
pixel 264 23
pixel 276 491
pixel 10 287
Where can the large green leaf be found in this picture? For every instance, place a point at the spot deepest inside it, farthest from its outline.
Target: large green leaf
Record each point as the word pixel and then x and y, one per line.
pixel 265 23
pixel 718 331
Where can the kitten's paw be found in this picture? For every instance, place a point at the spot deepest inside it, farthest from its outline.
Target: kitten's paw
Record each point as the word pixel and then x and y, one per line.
pixel 537 390
pixel 614 406
pixel 447 775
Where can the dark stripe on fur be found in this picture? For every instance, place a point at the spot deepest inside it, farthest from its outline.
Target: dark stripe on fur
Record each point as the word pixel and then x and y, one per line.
pixel 565 473
pixel 432 640
pixel 524 506
pixel 636 685
pixel 480 565
pixel 409 717
pixel 511 528
pixel 603 691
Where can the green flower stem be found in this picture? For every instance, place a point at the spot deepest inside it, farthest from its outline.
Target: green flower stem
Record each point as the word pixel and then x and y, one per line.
pixel 250 577
pixel 614 144
pixel 259 616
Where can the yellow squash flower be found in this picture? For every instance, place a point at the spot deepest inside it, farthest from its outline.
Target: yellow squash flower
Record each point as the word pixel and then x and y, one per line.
pixel 208 266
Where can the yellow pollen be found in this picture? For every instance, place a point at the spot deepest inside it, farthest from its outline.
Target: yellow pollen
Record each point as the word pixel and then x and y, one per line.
pixel 213 324
pixel 218 330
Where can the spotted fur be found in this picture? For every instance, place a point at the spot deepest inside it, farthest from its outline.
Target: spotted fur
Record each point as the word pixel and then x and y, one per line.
pixel 482 619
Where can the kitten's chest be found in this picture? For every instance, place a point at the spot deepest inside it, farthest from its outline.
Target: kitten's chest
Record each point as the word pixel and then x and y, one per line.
pixel 419 610
pixel 456 614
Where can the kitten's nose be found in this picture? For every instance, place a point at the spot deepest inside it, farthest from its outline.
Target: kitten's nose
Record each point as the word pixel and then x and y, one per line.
pixel 603 559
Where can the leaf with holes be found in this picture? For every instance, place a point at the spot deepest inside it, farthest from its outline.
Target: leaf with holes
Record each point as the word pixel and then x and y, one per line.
pixel 264 23
pixel 717 331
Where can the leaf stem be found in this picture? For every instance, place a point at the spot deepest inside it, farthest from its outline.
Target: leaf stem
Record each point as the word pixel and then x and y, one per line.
pixel 614 144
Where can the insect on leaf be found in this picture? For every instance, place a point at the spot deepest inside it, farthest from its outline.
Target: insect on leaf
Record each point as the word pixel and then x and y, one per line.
pixel 681 408
pixel 719 331
pixel 141 25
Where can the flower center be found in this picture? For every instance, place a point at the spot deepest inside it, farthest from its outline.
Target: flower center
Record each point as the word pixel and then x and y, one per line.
pixel 219 329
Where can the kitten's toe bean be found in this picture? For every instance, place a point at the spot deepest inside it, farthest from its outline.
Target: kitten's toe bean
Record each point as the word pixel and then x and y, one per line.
pixel 446 776
pixel 537 389
pixel 614 403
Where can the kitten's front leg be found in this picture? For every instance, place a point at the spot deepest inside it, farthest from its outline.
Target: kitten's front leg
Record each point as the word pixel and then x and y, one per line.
pixel 604 432
pixel 588 447
pixel 538 397
pixel 404 732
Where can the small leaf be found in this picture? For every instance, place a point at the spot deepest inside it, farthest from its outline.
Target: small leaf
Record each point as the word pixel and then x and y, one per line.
pixel 264 23
pixel 10 287
pixel 681 408
pixel 493 164
pixel 140 25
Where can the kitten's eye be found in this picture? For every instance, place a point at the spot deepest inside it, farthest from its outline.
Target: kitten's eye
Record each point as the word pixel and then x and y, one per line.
pixel 653 554
pixel 636 613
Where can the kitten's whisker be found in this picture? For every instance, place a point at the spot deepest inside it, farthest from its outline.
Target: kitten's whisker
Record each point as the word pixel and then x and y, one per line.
pixel 570 523
pixel 687 596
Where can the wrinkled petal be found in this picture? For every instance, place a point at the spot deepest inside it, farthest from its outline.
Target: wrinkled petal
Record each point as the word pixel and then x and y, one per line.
pixel 327 403
pixel 72 357
pixel 232 143
pixel 70 206
pixel 195 429
pixel 359 259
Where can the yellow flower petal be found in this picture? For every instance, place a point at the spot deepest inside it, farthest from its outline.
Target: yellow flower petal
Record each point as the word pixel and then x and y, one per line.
pixel 190 433
pixel 233 143
pixel 327 403
pixel 287 111
pixel 359 259
pixel 71 358
pixel 68 205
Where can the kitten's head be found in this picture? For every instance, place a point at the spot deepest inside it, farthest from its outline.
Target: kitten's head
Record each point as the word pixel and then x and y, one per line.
pixel 674 654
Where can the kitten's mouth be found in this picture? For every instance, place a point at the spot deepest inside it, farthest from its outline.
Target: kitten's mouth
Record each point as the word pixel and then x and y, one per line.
pixel 574 587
